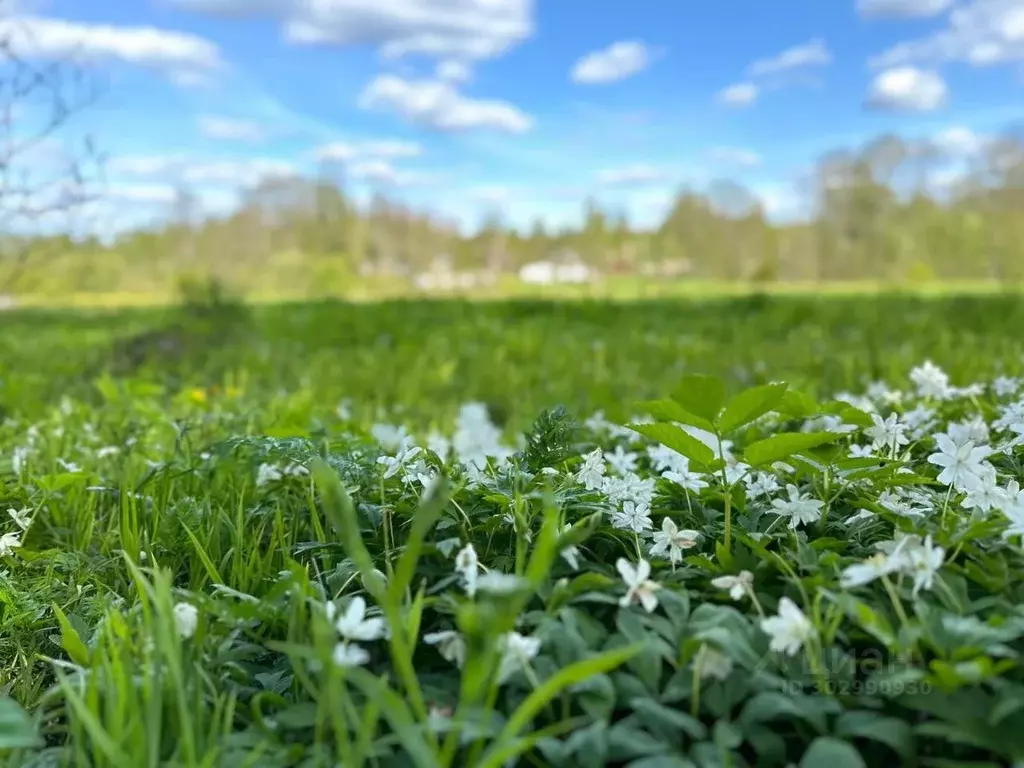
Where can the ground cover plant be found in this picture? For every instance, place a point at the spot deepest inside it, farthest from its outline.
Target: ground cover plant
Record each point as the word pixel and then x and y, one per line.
pixel 760 533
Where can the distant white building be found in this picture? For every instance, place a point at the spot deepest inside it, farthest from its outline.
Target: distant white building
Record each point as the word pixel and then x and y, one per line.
pixel 566 267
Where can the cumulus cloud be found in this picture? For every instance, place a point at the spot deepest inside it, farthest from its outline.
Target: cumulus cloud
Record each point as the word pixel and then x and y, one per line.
pixel 907 89
pixel 618 61
pixel 228 129
pixel 738 95
pixel 439 105
pixel 814 53
pixel 468 29
pixel 902 9
pixel 735 156
pixel 632 175
pixel 980 33
pixel 180 56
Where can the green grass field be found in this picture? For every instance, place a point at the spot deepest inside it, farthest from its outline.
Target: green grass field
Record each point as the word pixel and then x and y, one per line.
pixel 416 533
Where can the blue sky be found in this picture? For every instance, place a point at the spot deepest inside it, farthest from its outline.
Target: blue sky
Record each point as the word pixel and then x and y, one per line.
pixel 461 105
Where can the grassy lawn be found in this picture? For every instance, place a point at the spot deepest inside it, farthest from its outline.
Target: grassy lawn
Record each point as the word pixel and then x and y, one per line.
pixel 416 532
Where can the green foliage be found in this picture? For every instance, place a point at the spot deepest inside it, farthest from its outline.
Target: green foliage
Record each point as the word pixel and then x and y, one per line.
pixel 317 548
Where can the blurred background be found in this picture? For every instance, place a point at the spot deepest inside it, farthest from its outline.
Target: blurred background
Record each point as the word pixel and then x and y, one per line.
pixel 290 150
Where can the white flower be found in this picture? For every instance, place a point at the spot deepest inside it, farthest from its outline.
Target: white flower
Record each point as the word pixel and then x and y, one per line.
pixel 761 484
pixel 789 630
pixel 449 644
pixel 875 567
pixel 267 473
pixel 639 587
pixel 924 562
pixel 983 491
pixel 591 474
pixel 1004 386
pixel 739 585
pixel 467 564
pixel 621 460
pixel 975 430
pixel 186 619
pixel 888 433
pixel 8 543
pixel 439 444
pixel 629 487
pixel 712 663
pixel 516 652
pixel 960 464
pixel 390 437
pixel 395 464
pixel 862 451
pixel 632 517
pixel 353 624
pixel 671 541
pixel 684 478
pixel 919 419
pixel 69 466
pixel 21 517
pixel 664 458
pixel 800 509
pixel 350 655
pixel 931 381
pixel 571 554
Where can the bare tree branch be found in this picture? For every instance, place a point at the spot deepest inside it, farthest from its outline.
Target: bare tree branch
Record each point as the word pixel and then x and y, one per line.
pixel 42 178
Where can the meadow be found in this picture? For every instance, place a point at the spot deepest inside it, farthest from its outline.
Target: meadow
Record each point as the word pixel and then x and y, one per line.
pixel 756 530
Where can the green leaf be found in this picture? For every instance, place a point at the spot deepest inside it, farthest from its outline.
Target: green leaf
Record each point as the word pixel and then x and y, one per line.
pixel 70 640
pixel 678 440
pixel 17 729
pixel 826 752
pixel 507 745
pixel 670 410
pixel 894 733
pixel 749 405
pixel 701 395
pixel 779 447
pixel 796 404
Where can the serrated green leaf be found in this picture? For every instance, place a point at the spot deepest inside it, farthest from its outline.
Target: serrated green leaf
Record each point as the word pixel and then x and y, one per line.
pixel 750 404
pixel 779 447
pixel 670 410
pixel 701 395
pixel 679 441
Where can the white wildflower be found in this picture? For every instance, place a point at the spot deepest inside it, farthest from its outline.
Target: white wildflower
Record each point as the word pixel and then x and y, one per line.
pixel 639 587
pixel 788 630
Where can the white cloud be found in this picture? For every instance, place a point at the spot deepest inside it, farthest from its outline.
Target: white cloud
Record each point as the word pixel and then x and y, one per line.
pixel 453 71
pixel 906 9
pixel 735 156
pixel 180 170
pixel 177 55
pixel 342 151
pixel 228 129
pixel 814 53
pixel 145 193
pixel 907 89
pixel 616 62
pixel 738 95
pixel 632 175
pixel 382 172
pixel 439 105
pixel 980 33
pixel 958 141
pixel 469 29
